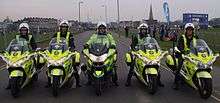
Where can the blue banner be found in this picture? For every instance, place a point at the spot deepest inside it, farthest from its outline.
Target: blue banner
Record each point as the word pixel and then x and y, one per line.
pixel 166 12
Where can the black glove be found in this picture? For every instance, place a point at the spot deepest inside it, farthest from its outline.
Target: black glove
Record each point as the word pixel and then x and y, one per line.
pixel 86 46
pixel 112 47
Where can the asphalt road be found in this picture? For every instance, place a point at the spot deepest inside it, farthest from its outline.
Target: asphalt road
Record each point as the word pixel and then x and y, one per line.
pixel 137 93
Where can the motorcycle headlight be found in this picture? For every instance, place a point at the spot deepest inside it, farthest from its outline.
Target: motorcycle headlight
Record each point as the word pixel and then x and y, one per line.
pixel 201 65
pixel 56 62
pixel 101 58
pixel 154 62
pixel 16 64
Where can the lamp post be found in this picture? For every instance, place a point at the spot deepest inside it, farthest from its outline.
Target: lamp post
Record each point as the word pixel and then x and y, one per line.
pixel 80 10
pixel 106 17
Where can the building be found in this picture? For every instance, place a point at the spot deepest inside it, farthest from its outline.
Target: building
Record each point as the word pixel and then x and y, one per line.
pixel 126 23
pixel 40 25
pixel 6 26
pixel 199 19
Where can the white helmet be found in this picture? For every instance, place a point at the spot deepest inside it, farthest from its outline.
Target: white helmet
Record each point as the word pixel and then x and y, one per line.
pixel 143 25
pixel 24 25
pixel 101 24
pixel 64 22
pixel 189 25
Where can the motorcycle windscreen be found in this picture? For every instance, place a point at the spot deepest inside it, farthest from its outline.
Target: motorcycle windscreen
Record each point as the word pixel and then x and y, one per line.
pixel 98 49
pixel 149 43
pixel 58 45
pixel 18 46
pixel 201 50
pixel 16 49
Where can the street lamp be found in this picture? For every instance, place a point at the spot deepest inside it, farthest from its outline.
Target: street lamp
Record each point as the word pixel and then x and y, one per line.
pixel 106 18
pixel 80 10
pixel 118 11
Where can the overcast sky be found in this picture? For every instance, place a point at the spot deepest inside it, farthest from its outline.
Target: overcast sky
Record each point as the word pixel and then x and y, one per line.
pixel 92 9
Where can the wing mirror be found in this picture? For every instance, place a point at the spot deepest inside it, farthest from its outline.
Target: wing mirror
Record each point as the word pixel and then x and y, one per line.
pixel 177 50
pixel 136 48
pixel 217 54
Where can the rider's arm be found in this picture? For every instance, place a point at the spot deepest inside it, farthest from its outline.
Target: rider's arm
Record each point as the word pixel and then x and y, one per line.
pixel 33 44
pixel 134 42
pixel 113 43
pixel 71 42
pixel 91 39
pixel 180 44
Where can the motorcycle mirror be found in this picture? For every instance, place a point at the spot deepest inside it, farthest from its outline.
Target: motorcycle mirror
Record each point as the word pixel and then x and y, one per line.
pixel 38 49
pixel 2 52
pixel 217 54
pixel 136 48
pixel 183 56
pixel 176 50
pixel 171 51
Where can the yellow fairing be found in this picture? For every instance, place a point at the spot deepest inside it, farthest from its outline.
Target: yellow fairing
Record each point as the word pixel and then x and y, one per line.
pixel 150 54
pixel 151 71
pixel 16 73
pixel 57 54
pixel 203 57
pixel 169 60
pixel 15 56
pixel 128 58
pixel 203 74
pixel 77 59
pixel 98 73
pixel 56 72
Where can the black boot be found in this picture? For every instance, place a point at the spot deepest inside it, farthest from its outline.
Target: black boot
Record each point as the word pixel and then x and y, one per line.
pixel 176 86
pixel 89 79
pixel 130 74
pixel 176 82
pixel 8 86
pixel 160 84
pixel 48 82
pixel 77 80
pixel 115 76
pixel 115 79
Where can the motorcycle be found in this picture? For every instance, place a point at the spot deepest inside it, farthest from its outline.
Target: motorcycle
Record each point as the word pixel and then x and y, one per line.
pixel 60 64
pixel 147 57
pixel 196 70
pixel 101 65
pixel 20 62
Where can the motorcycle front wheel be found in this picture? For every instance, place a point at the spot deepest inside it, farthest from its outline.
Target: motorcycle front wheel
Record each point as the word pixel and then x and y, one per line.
pixel 205 87
pixel 55 85
pixel 152 84
pixel 98 87
pixel 15 84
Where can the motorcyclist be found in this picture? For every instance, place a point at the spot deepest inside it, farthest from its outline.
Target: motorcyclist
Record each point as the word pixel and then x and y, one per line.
pixel 65 33
pixel 183 46
pixel 24 33
pixel 102 35
pixel 143 33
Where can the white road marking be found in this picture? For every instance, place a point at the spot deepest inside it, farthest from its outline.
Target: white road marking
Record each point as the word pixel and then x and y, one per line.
pixel 2 67
pixel 217 99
